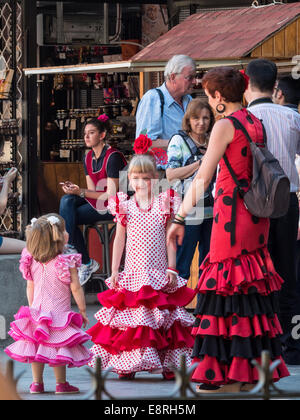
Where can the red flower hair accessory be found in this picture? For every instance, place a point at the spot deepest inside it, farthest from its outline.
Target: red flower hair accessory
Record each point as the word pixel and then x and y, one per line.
pixel 103 118
pixel 142 144
pixel 246 78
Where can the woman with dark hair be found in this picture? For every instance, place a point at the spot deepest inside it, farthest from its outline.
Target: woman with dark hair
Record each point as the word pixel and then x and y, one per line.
pixel 8 245
pixel 81 206
pixel 185 153
pixel 236 315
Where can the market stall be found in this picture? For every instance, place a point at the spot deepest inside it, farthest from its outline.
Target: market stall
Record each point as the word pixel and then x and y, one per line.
pixel 211 38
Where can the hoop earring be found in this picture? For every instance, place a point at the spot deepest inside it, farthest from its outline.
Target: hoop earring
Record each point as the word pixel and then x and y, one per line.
pixel 220 108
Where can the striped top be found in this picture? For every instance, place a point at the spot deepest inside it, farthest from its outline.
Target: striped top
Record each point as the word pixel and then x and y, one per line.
pixel 282 126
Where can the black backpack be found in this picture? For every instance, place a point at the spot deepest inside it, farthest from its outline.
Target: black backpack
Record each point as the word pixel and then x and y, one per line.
pixel 269 192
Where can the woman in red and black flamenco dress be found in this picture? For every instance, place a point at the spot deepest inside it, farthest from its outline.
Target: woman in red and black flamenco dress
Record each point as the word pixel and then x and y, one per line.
pixel 236 314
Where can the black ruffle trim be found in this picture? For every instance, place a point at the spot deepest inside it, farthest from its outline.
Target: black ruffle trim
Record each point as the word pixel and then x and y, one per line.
pixel 241 305
pixel 246 348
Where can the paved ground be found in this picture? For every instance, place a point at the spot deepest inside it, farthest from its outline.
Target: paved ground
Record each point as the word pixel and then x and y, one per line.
pixel 145 385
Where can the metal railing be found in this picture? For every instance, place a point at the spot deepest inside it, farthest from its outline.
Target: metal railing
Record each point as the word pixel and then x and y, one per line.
pixel 265 389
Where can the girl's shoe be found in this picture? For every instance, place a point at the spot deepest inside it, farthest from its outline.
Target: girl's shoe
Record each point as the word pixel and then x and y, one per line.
pixel 37 388
pixel 127 376
pixel 66 388
pixel 168 376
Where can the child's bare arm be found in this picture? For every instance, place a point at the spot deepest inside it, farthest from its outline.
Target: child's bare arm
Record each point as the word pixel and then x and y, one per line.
pixel 118 249
pixel 171 251
pixel 78 294
pixel 30 292
pixel 172 277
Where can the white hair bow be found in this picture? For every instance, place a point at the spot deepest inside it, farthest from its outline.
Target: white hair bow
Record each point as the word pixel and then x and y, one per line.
pixel 33 221
pixel 53 220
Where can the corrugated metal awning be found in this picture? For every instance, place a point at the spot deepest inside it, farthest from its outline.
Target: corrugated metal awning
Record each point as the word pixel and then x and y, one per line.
pixel 221 35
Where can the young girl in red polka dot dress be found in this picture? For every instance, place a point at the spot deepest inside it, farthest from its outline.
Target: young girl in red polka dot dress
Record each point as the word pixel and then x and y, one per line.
pixel 48 331
pixel 143 325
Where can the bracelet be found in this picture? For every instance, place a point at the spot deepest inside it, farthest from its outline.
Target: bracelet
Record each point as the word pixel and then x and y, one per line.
pixel 178 222
pixel 172 271
pixel 181 217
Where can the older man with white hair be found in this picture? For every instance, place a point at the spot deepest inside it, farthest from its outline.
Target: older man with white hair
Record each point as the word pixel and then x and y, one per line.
pixel 161 110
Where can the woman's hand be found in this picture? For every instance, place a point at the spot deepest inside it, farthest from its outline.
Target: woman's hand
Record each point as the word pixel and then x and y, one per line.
pixel 175 236
pixel 70 188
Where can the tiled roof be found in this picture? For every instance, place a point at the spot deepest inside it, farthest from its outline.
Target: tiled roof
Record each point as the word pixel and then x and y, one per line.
pixel 221 34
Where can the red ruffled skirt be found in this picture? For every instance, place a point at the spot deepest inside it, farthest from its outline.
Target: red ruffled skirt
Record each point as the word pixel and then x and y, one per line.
pixel 236 319
pixel 147 330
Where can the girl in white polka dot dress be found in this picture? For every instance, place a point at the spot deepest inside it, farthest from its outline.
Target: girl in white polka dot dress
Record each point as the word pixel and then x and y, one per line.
pixel 48 331
pixel 143 325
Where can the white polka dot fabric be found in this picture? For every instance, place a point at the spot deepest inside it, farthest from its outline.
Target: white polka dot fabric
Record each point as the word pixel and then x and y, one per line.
pixel 145 265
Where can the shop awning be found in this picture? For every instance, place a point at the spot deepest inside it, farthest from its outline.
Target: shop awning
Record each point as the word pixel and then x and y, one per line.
pixel 80 68
pixel 212 38
pixel 122 66
pixel 227 34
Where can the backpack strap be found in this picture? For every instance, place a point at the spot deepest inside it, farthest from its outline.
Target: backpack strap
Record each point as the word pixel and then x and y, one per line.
pixel 239 188
pixel 162 101
pixel 189 142
pixel 237 124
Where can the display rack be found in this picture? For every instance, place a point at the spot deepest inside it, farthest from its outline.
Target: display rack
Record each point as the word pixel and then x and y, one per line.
pixel 69 102
pixel 11 112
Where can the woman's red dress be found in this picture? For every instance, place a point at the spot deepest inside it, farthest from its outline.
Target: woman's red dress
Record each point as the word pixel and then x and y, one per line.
pixel 237 306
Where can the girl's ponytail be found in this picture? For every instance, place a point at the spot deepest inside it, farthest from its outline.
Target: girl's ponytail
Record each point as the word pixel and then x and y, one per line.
pixel 46 237
pixel 56 234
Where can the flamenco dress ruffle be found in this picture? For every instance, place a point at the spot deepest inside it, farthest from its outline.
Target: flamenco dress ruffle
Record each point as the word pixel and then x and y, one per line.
pixel 46 334
pixel 143 330
pixel 236 319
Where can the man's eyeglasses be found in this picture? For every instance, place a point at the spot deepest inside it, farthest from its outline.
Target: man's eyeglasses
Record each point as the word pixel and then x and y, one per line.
pixel 190 78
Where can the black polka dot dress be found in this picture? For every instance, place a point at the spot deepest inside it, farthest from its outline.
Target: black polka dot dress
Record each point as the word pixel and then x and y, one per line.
pixel 236 314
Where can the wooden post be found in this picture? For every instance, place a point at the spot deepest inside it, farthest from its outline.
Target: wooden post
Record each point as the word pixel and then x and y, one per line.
pixel 142 84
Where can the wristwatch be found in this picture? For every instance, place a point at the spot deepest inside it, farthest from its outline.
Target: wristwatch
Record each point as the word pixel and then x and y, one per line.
pixel 82 194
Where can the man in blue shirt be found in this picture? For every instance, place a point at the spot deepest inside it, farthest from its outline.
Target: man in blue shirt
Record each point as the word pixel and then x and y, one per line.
pixel 163 117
